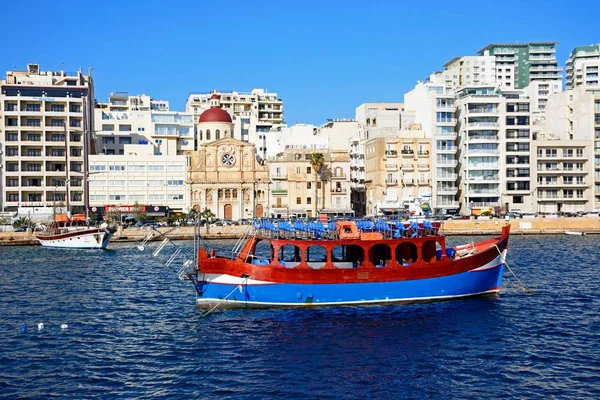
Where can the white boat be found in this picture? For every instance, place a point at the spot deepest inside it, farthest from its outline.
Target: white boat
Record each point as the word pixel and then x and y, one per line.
pixel 73 233
pixel 575 233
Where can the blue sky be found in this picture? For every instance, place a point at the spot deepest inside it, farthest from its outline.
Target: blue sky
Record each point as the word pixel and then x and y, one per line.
pixel 323 58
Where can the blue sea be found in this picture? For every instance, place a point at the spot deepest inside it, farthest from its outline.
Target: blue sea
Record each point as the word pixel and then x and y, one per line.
pixel 134 332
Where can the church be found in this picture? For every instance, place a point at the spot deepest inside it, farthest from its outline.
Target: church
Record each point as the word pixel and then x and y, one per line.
pixel 225 175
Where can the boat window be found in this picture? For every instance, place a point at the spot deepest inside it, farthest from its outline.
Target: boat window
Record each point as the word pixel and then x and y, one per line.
pixel 428 251
pixel 406 253
pixel 347 256
pixel 316 256
pixel 263 253
pixel 380 255
pixel 289 255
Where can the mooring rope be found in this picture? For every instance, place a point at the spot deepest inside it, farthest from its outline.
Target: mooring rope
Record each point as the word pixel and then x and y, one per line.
pixel 521 284
pixel 224 298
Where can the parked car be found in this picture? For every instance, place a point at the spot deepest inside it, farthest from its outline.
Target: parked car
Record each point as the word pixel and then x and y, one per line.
pixel 21 228
pixel 529 215
pixel 551 215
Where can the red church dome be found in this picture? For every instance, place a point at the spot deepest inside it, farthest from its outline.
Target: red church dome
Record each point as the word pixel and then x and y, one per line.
pixel 215 114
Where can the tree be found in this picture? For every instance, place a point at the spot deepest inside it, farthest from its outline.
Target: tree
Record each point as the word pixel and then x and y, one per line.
pixel 207 215
pixel 113 217
pixel 139 212
pixel 317 160
pixel 21 221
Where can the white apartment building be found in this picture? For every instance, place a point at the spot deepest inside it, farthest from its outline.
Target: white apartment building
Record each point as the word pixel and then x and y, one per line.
pixel 126 120
pixel 338 132
pixel 433 104
pixel 139 176
pixel 299 136
pixel 583 66
pixel 479 124
pixel 43 118
pixel 256 115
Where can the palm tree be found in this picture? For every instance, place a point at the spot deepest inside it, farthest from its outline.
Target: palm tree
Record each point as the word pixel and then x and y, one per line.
pixel 317 160
pixel 207 215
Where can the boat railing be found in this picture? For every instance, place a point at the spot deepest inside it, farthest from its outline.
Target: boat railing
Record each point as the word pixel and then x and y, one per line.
pixel 389 228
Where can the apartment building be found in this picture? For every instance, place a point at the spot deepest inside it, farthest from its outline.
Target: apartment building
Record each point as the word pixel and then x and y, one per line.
pixel 300 136
pixel 138 176
pixel 479 124
pixel 527 65
pixel 568 153
pixel 296 190
pixel 398 171
pixel 44 120
pixel 256 115
pixel 338 132
pixel 139 119
pixel 582 67
pixel 373 120
pixel 433 105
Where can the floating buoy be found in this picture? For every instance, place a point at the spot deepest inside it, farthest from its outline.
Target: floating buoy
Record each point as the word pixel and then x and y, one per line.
pixel 40 326
pixel 23 329
pixel 64 327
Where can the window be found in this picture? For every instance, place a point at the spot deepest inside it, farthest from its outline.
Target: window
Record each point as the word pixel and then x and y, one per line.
pixel 125 140
pixel 117 182
pixel 12 151
pixel 298 200
pixel 156 183
pixel 308 185
pixel 156 167
pixel 217 134
pixel 309 200
pixel 298 170
pixel 116 168
pixel 136 168
pixel 308 170
pixel 175 183
pixel 108 140
pixel 12 137
pixel 118 197
pixel 298 185
pixel 174 197
pixel 175 168
pixel 97 167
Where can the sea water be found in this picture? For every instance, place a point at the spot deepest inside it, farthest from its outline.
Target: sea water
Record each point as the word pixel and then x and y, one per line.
pixel 134 332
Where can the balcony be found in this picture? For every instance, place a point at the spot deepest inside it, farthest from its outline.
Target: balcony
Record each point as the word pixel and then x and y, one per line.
pixel 391 153
pixel 575 184
pixel 483 138
pixel 407 153
pixel 391 167
pixel 446 149
pixel 279 175
pixel 446 204
pixel 408 167
pixel 548 183
pixel 447 190
pixel 483 111
pixel 423 167
pixel 279 192
pixel 445 135
pixel 486 204
pixel 482 151
pixel 483 166
pixel 338 191
pixel 338 176
pixel 423 153
pixel 483 125
pixel 484 178
pixel 551 170
pixel 391 182
pixel 446 177
pixel 446 163
pixel 483 192
pixel 423 182
pixel 446 121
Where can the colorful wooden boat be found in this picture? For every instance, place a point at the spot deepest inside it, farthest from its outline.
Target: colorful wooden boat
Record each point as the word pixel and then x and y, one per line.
pixel 348 263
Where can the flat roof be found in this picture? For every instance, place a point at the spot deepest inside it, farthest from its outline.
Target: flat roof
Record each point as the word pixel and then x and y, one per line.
pixel 514 45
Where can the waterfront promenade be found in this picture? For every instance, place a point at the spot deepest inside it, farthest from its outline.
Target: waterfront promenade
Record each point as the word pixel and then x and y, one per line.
pixel 590 225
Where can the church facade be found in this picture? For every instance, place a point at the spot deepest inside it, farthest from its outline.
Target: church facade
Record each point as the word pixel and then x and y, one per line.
pixel 226 177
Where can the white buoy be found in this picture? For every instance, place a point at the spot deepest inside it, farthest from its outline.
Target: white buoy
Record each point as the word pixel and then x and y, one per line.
pixel 40 326
pixel 64 327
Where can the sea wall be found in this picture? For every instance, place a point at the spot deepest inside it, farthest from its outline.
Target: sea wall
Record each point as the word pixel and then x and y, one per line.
pixel 455 227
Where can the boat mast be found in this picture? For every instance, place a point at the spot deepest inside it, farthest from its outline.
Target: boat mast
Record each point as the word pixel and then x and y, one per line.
pixel 66 166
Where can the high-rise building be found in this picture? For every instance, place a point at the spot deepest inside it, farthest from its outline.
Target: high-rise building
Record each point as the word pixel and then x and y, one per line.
pixel 523 65
pixel 256 116
pixel 45 119
pixel 582 67
pixel 433 104
pixel 126 120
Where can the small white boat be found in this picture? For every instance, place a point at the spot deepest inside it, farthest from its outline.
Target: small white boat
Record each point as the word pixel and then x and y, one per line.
pixel 575 233
pixel 74 233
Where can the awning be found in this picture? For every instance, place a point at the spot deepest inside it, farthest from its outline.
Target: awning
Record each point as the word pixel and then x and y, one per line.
pixel 337 211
